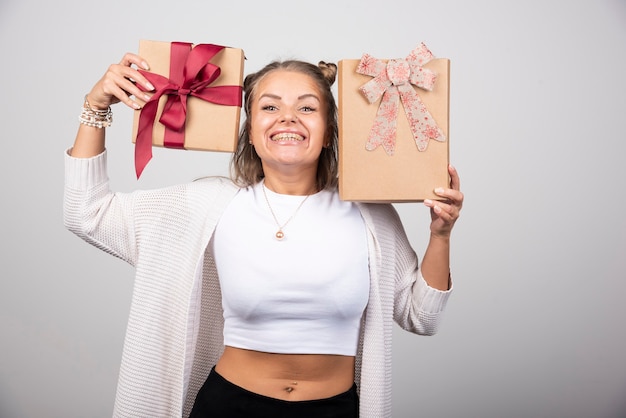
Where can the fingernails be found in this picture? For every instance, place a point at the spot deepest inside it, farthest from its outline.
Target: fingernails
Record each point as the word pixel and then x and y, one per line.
pixel 439 190
pixel 428 202
pixel 149 86
pixel 437 209
pixel 136 106
pixel 145 65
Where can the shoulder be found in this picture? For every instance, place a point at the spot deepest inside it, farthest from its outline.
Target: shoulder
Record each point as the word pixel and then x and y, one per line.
pixel 214 183
pixel 198 194
pixel 383 222
pixel 379 212
pixel 204 185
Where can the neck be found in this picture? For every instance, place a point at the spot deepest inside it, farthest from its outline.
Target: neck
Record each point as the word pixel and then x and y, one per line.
pixel 300 184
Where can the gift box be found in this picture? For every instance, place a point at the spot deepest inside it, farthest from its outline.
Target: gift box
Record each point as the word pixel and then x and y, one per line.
pixel 393 127
pixel 197 99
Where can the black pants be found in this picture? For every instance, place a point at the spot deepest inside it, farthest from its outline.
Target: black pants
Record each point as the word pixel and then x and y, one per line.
pixel 219 398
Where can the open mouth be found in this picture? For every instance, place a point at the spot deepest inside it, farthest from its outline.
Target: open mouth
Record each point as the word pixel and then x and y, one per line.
pixel 287 137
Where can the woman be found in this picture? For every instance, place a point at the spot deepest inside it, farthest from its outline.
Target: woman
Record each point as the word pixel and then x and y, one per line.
pixel 270 285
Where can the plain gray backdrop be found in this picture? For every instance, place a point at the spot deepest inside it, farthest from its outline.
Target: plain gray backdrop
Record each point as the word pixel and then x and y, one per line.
pixel 537 132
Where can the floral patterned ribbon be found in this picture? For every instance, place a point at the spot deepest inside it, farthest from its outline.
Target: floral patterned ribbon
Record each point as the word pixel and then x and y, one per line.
pixel 191 74
pixel 393 80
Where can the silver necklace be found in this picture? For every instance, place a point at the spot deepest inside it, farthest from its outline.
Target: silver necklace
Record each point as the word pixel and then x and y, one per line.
pixel 280 234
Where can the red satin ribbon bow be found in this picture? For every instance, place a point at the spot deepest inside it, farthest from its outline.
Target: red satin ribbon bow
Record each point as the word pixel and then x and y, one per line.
pixel 393 80
pixel 191 73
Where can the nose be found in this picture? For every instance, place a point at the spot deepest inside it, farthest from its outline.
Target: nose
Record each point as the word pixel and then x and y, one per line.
pixel 287 116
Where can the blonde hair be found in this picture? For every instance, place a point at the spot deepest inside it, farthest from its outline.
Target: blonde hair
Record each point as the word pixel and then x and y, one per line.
pixel 246 167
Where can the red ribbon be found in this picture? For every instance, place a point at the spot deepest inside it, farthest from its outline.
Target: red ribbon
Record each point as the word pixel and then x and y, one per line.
pixel 191 74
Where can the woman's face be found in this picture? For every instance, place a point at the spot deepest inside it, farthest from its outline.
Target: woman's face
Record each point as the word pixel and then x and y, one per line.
pixel 287 121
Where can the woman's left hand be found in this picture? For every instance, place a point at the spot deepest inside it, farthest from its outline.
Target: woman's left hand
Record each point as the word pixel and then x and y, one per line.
pixel 445 213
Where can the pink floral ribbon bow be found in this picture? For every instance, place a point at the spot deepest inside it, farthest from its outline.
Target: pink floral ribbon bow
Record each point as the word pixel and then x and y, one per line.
pixel 393 80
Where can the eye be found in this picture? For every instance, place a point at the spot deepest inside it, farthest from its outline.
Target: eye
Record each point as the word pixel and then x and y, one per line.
pixel 308 109
pixel 269 108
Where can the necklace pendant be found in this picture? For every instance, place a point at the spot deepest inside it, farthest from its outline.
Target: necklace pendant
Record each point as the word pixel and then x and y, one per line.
pixel 280 234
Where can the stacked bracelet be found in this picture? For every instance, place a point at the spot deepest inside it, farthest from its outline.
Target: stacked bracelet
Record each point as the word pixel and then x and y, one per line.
pixel 96 118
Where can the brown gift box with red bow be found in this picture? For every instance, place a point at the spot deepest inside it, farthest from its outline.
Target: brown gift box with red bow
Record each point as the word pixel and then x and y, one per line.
pixel 207 126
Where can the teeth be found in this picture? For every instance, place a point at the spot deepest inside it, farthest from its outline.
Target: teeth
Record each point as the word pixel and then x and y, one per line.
pixel 287 137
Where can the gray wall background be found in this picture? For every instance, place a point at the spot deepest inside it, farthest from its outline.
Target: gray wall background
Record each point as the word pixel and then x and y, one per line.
pixel 538 101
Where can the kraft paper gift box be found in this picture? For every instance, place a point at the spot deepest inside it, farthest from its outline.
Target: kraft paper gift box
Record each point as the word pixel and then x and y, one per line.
pixel 198 98
pixel 376 165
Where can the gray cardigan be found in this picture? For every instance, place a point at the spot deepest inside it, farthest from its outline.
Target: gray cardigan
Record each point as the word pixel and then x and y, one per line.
pixel 165 235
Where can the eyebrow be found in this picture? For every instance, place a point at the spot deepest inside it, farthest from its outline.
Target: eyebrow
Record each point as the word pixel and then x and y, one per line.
pixel 277 97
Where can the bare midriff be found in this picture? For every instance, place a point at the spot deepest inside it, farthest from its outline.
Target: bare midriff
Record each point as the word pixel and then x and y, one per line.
pixel 291 377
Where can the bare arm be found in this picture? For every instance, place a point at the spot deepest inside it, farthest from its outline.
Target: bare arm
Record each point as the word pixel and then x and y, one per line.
pixel 117 85
pixel 436 262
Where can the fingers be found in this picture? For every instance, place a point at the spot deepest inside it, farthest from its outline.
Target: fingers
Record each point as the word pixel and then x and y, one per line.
pixel 449 208
pixel 129 59
pixel 453 195
pixel 455 181
pixel 126 83
pixel 447 212
pixel 122 83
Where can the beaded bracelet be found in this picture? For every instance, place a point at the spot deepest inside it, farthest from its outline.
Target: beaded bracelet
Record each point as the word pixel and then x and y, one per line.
pixel 95 118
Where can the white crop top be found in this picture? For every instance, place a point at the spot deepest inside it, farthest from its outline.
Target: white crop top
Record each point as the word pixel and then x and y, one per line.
pixel 304 294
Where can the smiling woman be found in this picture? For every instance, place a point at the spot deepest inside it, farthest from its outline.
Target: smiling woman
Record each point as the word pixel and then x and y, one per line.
pixel 314 103
pixel 288 131
pixel 284 302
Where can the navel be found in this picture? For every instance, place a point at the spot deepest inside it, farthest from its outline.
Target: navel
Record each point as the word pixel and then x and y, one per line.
pixel 291 387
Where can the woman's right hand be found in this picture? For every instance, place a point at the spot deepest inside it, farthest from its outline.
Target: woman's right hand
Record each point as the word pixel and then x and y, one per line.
pixel 119 84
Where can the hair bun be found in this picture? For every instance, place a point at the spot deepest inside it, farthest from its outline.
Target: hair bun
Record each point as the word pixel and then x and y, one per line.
pixel 329 70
